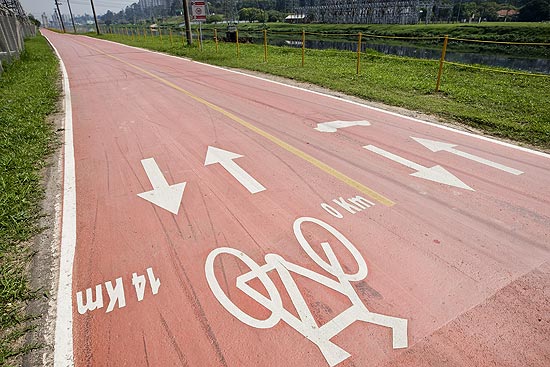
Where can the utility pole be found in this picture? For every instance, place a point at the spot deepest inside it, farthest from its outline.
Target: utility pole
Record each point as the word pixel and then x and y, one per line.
pixel 71 13
pixel 59 13
pixel 95 17
pixel 187 22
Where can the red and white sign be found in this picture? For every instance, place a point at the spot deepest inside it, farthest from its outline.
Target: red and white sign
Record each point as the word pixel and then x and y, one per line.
pixel 198 10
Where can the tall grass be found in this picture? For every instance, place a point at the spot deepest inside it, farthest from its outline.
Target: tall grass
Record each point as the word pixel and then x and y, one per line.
pixel 28 93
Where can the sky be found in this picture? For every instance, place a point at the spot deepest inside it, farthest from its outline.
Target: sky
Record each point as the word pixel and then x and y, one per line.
pixel 79 7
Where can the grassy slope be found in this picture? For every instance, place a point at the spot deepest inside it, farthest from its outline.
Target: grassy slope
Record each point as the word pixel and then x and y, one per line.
pixel 28 93
pixel 497 31
pixel 504 105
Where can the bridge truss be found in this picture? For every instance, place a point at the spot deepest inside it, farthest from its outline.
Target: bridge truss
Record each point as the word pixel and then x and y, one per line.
pixel 366 11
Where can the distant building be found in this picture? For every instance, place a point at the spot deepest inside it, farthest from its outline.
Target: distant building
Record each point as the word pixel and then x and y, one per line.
pixel 147 4
pixel 44 20
pixel 507 14
pixel 295 18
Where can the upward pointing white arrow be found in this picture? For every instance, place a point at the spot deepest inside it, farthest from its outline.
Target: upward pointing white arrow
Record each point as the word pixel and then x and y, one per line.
pixel 166 196
pixel 435 173
pixel 225 158
pixel 437 146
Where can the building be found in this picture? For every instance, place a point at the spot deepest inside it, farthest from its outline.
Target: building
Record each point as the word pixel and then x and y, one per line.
pixel 44 21
pixel 148 4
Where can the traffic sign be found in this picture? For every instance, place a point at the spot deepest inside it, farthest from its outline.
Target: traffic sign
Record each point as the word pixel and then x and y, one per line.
pixel 198 10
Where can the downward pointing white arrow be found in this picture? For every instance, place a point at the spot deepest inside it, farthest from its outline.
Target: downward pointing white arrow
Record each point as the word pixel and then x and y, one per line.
pixel 437 146
pixel 225 158
pixel 435 173
pixel 166 196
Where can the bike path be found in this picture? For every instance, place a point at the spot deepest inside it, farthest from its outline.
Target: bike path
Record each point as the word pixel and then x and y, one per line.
pixel 177 163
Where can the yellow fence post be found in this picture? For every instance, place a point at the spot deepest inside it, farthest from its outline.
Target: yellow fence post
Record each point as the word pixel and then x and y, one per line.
pixel 303 46
pixel 237 39
pixel 265 45
pixel 171 40
pixel 441 62
pixel 359 53
pixel 199 38
pixel 216 38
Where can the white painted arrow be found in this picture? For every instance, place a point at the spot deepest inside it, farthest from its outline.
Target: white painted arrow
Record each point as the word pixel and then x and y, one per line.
pixel 225 158
pixel 166 196
pixel 437 146
pixel 435 173
pixel 333 126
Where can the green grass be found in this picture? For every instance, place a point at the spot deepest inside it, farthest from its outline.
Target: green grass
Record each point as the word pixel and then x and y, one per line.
pixel 511 32
pixel 494 31
pixel 419 35
pixel 28 93
pixel 503 105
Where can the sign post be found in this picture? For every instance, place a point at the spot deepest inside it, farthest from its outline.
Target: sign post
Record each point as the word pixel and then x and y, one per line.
pixel 198 11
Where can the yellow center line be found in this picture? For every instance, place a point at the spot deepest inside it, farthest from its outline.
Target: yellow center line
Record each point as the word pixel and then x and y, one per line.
pixel 289 148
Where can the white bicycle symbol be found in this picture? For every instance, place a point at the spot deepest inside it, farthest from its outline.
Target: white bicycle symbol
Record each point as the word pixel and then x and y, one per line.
pixel 305 324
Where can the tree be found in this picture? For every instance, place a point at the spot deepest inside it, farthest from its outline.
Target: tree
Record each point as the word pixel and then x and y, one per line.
pixel 251 14
pixel 34 20
pixel 214 18
pixel 275 16
pixel 535 11
pixel 108 17
pixel 488 10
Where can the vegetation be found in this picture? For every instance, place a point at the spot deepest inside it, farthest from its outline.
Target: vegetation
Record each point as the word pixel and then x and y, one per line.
pixel 497 31
pixel 276 10
pixel 504 105
pixel 28 93
pixel 417 34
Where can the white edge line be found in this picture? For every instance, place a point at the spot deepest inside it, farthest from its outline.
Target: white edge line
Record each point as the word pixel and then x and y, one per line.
pixel 480 137
pixel 63 348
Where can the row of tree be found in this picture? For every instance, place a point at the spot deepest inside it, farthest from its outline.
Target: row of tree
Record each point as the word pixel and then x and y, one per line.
pixel 276 10
pixel 527 10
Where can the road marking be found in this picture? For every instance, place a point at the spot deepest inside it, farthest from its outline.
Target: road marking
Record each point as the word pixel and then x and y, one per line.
pixel 333 126
pixel 353 205
pixel 289 148
pixel 225 158
pixel 166 196
pixel 435 173
pixel 437 146
pixel 305 323
pixel 363 105
pixel 63 348
pixel 87 302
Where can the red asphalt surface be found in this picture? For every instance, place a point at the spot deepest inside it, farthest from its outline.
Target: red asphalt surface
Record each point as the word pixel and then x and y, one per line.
pixel 468 270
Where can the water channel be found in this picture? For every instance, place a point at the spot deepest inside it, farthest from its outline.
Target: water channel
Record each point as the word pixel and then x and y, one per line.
pixel 516 62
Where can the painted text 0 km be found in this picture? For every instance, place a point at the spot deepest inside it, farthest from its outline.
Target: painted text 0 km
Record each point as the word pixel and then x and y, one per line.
pixel 305 323
pixel 352 205
pixel 116 293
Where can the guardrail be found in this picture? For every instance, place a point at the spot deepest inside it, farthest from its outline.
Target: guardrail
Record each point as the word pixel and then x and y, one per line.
pixel 13 31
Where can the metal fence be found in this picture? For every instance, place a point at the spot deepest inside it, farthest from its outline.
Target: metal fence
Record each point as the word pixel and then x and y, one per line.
pixel 14 28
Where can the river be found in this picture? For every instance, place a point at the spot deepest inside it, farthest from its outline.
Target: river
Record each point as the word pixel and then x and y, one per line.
pixel 516 62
